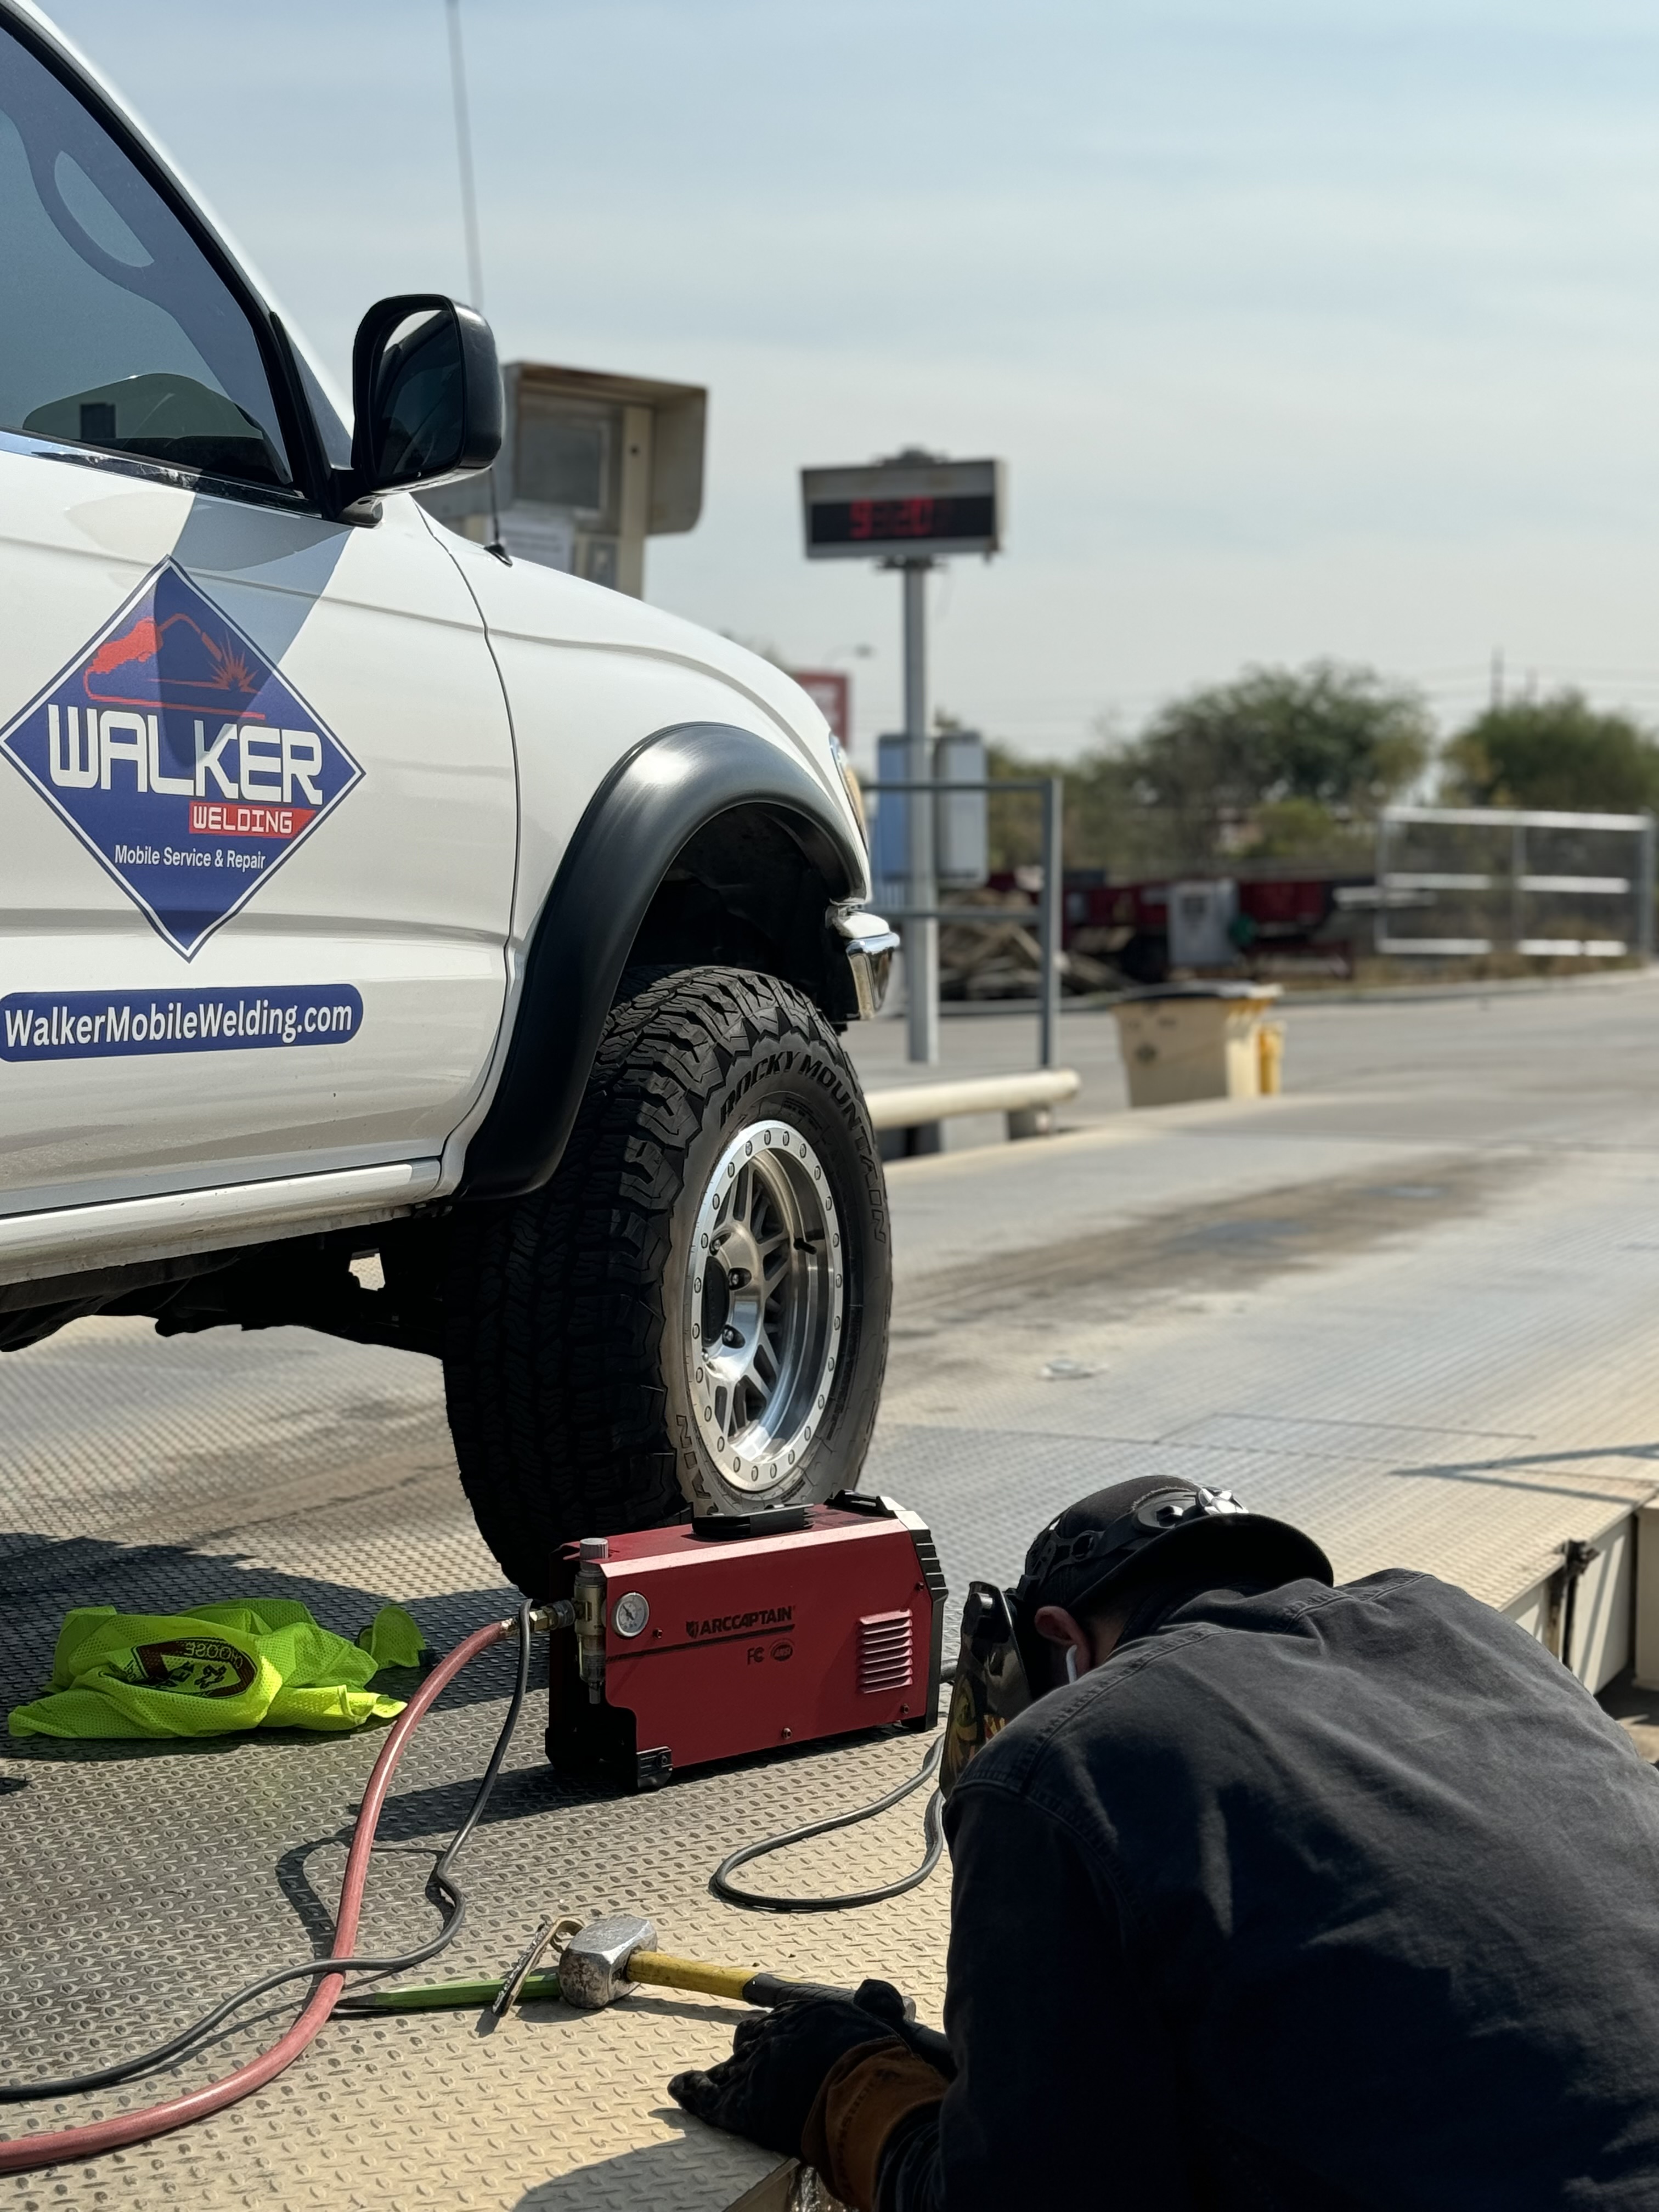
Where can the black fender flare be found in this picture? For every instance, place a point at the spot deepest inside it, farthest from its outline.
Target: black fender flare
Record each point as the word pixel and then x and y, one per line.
pixel 655 800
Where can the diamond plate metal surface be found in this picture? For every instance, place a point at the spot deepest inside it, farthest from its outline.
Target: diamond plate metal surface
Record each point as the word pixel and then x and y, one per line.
pixel 1428 1348
pixel 150 1877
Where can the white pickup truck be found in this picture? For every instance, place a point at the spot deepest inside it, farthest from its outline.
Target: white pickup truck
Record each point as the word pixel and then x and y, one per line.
pixel 366 893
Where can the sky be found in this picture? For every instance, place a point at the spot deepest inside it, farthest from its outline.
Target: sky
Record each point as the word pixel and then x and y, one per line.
pixel 1305 328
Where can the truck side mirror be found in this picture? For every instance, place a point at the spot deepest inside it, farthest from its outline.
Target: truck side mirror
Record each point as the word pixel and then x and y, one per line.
pixel 426 389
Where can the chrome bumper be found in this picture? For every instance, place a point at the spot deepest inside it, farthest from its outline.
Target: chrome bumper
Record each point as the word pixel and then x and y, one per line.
pixel 870 944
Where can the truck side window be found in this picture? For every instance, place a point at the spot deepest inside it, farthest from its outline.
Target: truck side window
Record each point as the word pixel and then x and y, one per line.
pixel 119 333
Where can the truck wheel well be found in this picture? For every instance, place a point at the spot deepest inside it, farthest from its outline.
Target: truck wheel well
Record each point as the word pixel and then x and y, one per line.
pixel 741 893
pixel 699 815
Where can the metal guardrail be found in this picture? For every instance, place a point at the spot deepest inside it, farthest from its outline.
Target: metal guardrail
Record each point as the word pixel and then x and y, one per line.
pixel 911 1105
pixel 1048 904
pixel 1503 896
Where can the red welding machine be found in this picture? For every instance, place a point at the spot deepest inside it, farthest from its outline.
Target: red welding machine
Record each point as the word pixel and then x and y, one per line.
pixel 735 1633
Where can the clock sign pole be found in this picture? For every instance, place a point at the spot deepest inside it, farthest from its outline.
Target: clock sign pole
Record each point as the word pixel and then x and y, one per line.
pixel 907 513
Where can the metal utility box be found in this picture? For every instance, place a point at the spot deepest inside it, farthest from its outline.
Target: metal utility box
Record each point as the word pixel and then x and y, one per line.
pixel 961 832
pixel 962 844
pixel 1202 918
pixel 889 832
pixel 591 466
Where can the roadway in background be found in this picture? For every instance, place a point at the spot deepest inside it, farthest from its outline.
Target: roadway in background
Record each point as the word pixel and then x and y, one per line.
pixel 1411 1302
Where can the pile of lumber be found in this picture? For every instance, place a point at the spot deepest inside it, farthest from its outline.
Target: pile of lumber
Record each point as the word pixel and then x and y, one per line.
pixel 1003 959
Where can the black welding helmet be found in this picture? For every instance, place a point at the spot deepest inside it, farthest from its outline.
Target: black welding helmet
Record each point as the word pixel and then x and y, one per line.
pixel 1004 1663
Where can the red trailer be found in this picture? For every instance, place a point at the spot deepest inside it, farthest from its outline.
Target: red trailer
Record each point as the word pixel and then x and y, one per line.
pixel 1281 922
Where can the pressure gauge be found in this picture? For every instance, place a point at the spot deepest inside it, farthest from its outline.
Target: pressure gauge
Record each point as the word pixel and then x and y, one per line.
pixel 631 1613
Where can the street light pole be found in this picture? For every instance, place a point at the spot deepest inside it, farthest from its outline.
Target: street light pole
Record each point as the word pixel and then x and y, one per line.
pixel 922 930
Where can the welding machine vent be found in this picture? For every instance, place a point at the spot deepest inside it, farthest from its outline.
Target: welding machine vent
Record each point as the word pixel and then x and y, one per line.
pixel 883 1652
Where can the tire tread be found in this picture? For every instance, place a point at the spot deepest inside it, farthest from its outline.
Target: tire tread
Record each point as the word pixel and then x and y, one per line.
pixel 554 1314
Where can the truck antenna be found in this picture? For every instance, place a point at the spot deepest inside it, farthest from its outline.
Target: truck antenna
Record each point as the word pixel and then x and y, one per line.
pixel 469 204
pixel 464 155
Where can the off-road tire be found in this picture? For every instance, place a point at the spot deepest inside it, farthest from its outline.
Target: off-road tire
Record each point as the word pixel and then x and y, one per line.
pixel 569 1392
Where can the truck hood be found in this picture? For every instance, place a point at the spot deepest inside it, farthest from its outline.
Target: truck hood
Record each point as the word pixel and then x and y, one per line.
pixel 528 601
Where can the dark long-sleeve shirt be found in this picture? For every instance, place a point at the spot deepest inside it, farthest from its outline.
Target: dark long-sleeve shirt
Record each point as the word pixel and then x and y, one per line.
pixel 1306 1901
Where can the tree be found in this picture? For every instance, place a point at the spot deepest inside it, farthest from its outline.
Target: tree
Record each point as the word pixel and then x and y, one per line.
pixel 1557 753
pixel 1324 741
pixel 1282 762
pixel 1101 826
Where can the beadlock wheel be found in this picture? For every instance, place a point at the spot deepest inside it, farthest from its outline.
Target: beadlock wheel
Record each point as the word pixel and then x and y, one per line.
pixel 764 1302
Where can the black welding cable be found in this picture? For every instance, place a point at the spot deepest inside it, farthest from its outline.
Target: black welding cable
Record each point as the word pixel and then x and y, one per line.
pixel 20 2093
pixel 932 1827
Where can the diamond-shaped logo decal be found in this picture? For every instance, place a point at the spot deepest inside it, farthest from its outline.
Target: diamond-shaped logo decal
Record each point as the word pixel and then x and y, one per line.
pixel 180 758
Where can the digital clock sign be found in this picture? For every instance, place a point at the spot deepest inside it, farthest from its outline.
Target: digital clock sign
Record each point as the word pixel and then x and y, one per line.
pixel 919 520
pixel 911 508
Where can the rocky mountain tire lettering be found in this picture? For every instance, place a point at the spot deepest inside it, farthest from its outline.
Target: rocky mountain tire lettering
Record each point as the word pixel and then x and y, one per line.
pixel 829 1079
pixel 775 1063
pixel 184 764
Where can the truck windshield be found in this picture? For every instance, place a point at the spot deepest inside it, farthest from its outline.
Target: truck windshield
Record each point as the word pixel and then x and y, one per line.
pixel 120 333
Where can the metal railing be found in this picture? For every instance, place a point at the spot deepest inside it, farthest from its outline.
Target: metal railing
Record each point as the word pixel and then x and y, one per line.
pixel 1485 886
pixel 1049 902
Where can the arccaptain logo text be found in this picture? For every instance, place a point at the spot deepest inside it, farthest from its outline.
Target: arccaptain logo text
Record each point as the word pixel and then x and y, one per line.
pixel 744 1624
pixel 180 758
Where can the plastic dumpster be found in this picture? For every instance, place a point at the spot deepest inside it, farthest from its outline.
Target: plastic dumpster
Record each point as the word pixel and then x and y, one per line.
pixel 1184 1041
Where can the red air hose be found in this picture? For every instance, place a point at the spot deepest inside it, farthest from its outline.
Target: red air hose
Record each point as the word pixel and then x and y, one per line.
pixel 28 2154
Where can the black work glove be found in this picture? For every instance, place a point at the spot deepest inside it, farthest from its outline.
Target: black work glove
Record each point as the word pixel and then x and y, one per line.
pixel 779 2061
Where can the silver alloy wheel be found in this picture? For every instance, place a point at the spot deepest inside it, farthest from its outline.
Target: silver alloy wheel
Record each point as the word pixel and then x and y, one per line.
pixel 763 1305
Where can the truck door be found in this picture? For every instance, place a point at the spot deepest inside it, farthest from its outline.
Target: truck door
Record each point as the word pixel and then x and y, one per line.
pixel 257 797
